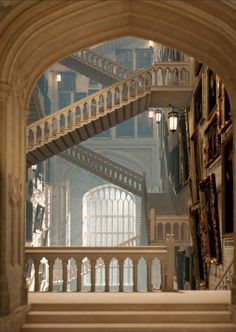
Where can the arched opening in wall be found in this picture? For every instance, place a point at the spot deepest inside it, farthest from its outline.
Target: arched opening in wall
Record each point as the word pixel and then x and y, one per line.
pixel 135 137
pixel 109 217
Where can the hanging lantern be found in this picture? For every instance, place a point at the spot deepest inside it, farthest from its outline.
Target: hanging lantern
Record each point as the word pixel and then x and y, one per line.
pixel 58 78
pixel 151 113
pixel 158 116
pixel 173 121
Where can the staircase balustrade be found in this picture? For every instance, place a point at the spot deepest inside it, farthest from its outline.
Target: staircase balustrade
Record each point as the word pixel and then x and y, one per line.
pixel 173 74
pixel 103 63
pixel 88 109
pixel 165 255
pixel 225 282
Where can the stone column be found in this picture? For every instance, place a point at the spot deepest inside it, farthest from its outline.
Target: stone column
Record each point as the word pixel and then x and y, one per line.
pixel 233 290
pixel 12 205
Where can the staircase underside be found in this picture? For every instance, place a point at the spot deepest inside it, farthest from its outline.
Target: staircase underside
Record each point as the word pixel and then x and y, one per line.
pixel 163 96
pixel 204 311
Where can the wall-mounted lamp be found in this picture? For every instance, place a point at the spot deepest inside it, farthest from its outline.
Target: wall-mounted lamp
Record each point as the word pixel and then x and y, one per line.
pixel 158 115
pixel 58 78
pixel 173 120
pixel 150 43
pixel 34 167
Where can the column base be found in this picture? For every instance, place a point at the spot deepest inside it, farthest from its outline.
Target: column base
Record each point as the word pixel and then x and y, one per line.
pixel 14 321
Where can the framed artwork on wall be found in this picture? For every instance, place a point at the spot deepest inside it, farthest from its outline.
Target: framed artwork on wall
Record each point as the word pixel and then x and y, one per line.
pixel 200 266
pixel 210 221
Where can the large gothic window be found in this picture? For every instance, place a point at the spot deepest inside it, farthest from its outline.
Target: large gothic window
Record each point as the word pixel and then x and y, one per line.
pixel 108 216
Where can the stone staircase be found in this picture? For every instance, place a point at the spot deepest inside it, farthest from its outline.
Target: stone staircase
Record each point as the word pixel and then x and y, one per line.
pixel 136 315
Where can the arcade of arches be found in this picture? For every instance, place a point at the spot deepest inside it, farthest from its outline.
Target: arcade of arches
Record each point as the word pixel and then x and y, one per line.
pixel 35 34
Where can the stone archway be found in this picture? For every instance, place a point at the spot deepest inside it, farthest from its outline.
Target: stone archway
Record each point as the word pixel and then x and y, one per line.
pixel 35 34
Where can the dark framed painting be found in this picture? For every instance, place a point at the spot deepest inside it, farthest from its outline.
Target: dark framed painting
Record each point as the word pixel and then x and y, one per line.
pixel 211 91
pixel 124 56
pixel 38 221
pixel 227 187
pixel 212 141
pixel 200 266
pixel 143 57
pixel 198 104
pixel 210 221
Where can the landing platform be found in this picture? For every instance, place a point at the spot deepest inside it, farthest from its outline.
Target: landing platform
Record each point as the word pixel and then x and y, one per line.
pixel 203 296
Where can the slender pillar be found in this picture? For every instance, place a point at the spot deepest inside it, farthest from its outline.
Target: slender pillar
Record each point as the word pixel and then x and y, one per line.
pixel 121 276
pixel 135 275
pixel 233 289
pixel 170 262
pixel 107 279
pixel 149 275
pixel 93 275
pixel 64 267
pixel 36 276
pixel 78 276
pixel 50 268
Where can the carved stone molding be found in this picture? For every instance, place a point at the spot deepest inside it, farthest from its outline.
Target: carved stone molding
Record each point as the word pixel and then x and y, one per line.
pixel 4 91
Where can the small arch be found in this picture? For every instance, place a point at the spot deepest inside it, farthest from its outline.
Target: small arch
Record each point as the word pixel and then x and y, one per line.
pixel 148 81
pixel 114 274
pixel 167 77
pixel 93 107
pixel 62 122
pixel 159 232
pixel 57 275
pixel 175 77
pixel 124 92
pixel 101 104
pixel 86 274
pixel 77 115
pixel 142 275
pixel 69 119
pixel 132 88
pixel 100 275
pixel 38 134
pixel 46 130
pixel 183 77
pixel 140 85
pixel 117 96
pixel 30 138
pixel 128 274
pixel 176 231
pixel 167 229
pixel 159 77
pixel 109 100
pixel 184 232
pixel 54 126
pixel 85 111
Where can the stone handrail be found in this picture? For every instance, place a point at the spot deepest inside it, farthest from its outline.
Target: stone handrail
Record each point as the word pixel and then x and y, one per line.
pixel 88 109
pixel 106 168
pixel 179 74
pixel 130 242
pixel 103 63
pixel 164 254
pixel 225 281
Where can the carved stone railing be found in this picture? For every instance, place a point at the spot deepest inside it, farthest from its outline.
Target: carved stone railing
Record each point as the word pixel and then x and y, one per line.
pixel 225 282
pixel 104 64
pixel 35 109
pixel 132 242
pixel 107 169
pixel 94 255
pixel 89 109
pixel 178 74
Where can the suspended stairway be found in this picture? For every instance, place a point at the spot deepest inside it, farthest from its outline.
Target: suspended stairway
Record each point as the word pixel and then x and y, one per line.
pixel 96 66
pixel 116 174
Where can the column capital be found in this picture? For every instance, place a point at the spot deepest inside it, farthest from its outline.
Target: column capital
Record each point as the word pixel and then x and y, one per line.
pixel 5 90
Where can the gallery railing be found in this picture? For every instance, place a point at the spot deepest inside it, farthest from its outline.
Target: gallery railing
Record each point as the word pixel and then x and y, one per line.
pixel 225 282
pixel 104 64
pixel 75 257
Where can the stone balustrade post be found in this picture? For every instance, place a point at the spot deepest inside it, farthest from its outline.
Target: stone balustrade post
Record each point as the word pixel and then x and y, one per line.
pixel 78 276
pixel 121 275
pixel 93 275
pixel 50 279
pixel 107 274
pixel 170 262
pixel 64 268
pixel 135 275
pixel 36 275
pixel 149 275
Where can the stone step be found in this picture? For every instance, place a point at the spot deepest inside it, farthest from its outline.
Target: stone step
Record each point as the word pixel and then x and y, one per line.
pixel 129 317
pixel 131 327
pixel 142 306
